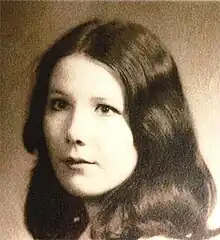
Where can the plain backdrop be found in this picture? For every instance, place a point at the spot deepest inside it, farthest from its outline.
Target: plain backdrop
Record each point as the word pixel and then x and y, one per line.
pixel 191 30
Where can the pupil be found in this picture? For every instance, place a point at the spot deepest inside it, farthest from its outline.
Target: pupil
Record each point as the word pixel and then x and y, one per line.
pixel 59 104
pixel 105 109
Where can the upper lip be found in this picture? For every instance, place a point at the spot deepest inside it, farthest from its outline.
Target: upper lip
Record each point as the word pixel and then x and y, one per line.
pixel 76 160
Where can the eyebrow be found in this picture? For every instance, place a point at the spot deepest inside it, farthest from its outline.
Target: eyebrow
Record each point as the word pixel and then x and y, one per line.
pixel 57 91
pixel 53 90
pixel 93 100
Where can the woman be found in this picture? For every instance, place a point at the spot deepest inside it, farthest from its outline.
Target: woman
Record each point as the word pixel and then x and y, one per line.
pixel 117 153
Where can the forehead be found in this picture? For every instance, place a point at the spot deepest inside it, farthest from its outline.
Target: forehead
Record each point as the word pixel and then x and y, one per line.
pixel 84 73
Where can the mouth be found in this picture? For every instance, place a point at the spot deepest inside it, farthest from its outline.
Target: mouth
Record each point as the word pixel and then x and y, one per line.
pixel 76 161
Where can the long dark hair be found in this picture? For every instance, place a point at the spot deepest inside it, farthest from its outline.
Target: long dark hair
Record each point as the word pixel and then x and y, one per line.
pixel 171 191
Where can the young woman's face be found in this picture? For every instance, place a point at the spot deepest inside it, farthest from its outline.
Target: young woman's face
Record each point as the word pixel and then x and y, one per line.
pixel 89 141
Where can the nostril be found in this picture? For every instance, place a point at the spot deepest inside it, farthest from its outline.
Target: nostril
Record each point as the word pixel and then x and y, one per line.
pixel 79 142
pixel 75 142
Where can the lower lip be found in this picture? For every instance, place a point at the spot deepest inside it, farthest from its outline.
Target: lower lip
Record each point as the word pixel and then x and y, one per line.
pixel 76 168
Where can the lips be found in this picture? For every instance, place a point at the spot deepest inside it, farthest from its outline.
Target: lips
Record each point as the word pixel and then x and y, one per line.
pixel 76 161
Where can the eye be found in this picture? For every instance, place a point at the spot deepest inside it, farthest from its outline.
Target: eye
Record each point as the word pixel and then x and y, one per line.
pixel 106 110
pixel 58 104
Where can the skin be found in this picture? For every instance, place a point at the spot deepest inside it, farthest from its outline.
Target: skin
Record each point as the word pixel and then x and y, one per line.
pixel 85 118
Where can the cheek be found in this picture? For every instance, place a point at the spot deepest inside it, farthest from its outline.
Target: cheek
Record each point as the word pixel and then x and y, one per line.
pixel 52 131
pixel 115 137
pixel 118 155
pixel 121 132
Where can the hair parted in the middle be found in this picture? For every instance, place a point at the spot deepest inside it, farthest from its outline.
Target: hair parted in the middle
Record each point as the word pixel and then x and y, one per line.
pixel 170 191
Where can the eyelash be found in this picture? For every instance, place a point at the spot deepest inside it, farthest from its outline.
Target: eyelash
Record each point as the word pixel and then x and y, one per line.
pixel 105 106
pixel 57 104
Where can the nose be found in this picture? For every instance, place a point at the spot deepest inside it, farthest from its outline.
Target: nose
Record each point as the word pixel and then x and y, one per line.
pixel 77 132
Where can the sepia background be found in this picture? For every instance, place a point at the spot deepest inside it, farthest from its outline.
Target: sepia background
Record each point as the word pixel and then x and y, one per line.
pixel 191 30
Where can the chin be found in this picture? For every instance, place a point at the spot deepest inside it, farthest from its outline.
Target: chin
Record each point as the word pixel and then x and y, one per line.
pixel 86 193
pixel 85 190
pixel 81 192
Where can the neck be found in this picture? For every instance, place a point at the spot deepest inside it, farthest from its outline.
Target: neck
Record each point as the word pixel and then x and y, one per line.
pixel 92 206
